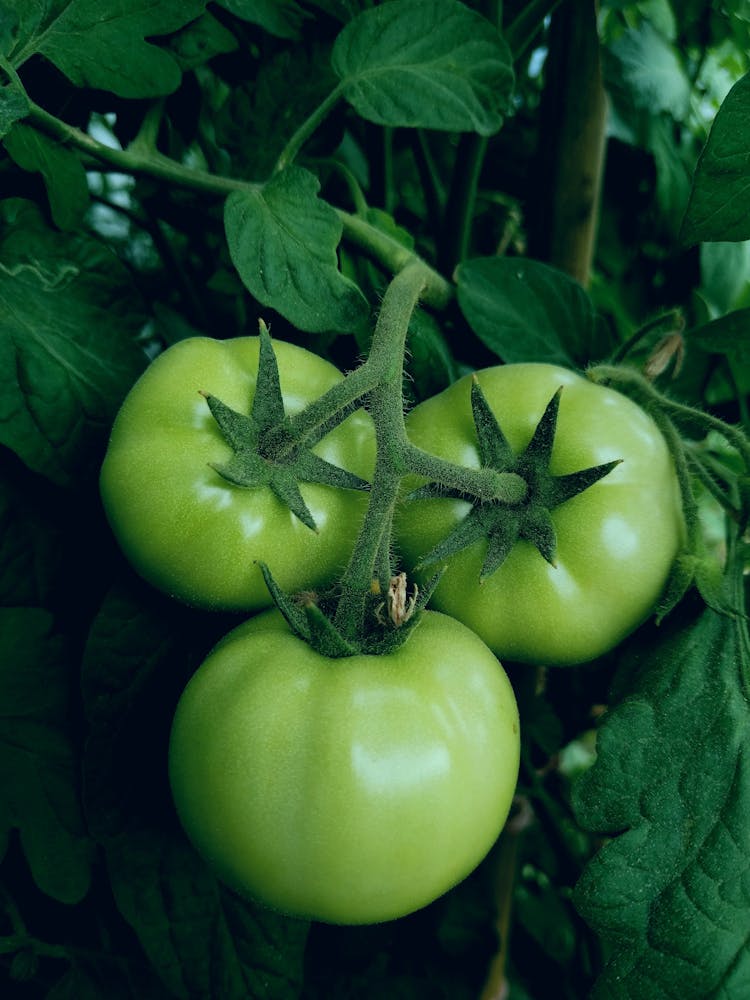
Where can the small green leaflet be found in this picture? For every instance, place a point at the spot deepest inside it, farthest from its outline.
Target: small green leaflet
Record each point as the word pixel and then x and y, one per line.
pixel 670 892
pixel 63 173
pixel 719 206
pixel 38 772
pixel 61 379
pixel 425 64
pixel 102 43
pixel 282 240
pixel 527 311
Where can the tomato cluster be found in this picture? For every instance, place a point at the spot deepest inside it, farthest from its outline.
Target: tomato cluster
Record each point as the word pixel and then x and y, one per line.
pixel 360 788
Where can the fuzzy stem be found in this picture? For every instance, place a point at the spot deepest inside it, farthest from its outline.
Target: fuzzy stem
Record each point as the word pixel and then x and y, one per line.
pixel 386 405
pixel 135 162
pixel 652 400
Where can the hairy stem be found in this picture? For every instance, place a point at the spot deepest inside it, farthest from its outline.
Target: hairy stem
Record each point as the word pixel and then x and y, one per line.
pixel 386 405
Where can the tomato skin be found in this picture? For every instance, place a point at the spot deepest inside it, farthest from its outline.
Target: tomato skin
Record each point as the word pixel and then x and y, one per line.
pixel 353 790
pixel 616 541
pixel 187 530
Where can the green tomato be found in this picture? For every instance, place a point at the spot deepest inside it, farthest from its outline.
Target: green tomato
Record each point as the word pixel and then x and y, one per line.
pixel 616 541
pixel 189 531
pixel 352 790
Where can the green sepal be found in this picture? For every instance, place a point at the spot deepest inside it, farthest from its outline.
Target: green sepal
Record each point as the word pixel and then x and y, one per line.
pixel 250 467
pixel 324 637
pixel 314 469
pixel 295 617
pixel 494 449
pixel 475 526
pixel 310 622
pixel 502 525
pixel 558 489
pixel 539 449
pixel 268 403
pixel 286 489
pixel 239 430
pixel 537 527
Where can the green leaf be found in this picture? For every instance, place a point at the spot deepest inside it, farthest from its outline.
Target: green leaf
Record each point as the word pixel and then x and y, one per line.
pixel 282 18
pixel 202 940
pixel 728 335
pixel 282 239
pixel 102 43
pixel 201 40
pixel 527 311
pixel 719 206
pixel 14 105
pixel 38 772
pixel 644 65
pixel 669 892
pixel 260 116
pixel 67 348
pixel 425 64
pixel 63 173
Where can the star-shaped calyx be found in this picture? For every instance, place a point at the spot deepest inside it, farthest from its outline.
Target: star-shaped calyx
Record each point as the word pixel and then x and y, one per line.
pixel 502 525
pixel 250 467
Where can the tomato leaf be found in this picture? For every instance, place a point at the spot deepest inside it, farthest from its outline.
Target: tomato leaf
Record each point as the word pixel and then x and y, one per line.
pixel 102 43
pixel 63 173
pixel 729 334
pixel 37 763
pixel 719 205
pixel 425 64
pixel 671 785
pixel 61 380
pixel 527 311
pixel 646 70
pixel 282 18
pixel 14 105
pixel 282 239
pixel 203 941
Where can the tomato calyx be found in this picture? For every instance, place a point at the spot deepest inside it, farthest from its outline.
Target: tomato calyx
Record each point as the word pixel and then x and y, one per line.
pixel 250 467
pixel 502 525
pixel 312 617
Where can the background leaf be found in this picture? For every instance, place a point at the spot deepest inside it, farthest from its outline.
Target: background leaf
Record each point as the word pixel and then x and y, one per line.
pixel 670 893
pixel 61 379
pixel 37 765
pixel 204 941
pixel 425 63
pixel 63 173
pixel 729 334
pixel 647 65
pixel 526 311
pixel 102 43
pixel 719 206
pixel 13 105
pixel 282 240
pixel 278 17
